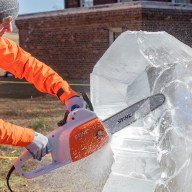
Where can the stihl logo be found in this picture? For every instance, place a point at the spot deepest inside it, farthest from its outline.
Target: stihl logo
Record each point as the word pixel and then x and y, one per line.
pixel 125 118
pixel 82 134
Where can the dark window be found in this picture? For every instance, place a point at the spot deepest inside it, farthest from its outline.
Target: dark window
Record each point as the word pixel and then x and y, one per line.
pixel 113 34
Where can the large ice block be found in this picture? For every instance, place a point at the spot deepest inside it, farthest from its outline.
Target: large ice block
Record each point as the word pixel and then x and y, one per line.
pixel 155 153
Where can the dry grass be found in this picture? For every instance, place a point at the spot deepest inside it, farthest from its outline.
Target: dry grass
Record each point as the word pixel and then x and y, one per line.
pixel 23 105
pixel 41 114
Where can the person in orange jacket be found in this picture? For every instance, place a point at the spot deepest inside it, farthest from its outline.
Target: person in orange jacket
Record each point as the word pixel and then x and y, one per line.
pixel 23 65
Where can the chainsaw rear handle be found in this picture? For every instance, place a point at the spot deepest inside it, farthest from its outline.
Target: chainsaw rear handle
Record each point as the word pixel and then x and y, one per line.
pixel 82 135
pixel 34 173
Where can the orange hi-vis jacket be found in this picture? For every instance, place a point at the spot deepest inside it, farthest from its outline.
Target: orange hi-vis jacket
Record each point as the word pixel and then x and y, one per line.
pixel 22 65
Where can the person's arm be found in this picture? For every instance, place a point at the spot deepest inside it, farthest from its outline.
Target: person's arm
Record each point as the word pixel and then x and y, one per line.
pixel 34 142
pixel 15 135
pixel 22 65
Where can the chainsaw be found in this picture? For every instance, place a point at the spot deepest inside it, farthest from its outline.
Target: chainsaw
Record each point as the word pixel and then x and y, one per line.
pixel 82 133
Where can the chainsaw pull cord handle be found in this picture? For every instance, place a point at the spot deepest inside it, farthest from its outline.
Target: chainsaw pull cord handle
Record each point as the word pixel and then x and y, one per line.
pixel 8 177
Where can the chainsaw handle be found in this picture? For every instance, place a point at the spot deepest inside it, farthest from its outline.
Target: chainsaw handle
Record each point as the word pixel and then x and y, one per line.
pixel 18 163
pixel 26 155
pixel 88 102
pixel 21 160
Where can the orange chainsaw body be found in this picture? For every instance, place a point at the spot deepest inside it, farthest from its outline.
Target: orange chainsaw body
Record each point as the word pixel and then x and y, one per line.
pixel 87 138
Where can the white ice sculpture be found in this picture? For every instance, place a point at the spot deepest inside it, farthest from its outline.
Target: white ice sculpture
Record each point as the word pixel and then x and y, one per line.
pixel 155 153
